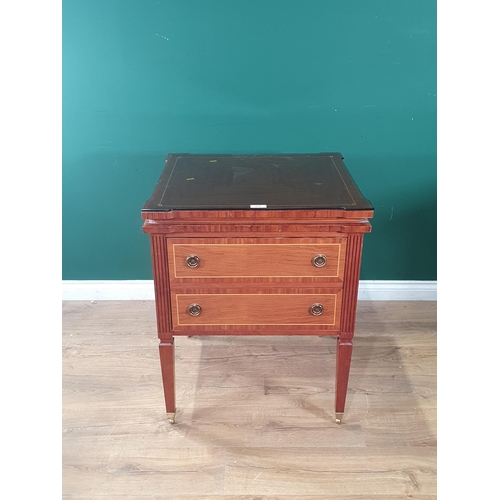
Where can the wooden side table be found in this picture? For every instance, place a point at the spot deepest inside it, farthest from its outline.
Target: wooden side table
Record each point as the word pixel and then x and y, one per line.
pixel 256 245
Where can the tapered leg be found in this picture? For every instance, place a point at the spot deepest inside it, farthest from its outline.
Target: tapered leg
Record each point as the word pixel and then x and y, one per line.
pixel 344 352
pixel 167 360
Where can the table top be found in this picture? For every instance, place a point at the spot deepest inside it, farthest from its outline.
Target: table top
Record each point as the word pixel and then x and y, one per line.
pixel 243 182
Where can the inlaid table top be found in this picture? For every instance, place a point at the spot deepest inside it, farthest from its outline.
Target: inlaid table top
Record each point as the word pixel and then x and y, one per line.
pixel 238 182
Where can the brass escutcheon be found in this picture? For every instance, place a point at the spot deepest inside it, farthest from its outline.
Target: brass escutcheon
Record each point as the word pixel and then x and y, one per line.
pixel 192 261
pixel 319 260
pixel 194 309
pixel 316 309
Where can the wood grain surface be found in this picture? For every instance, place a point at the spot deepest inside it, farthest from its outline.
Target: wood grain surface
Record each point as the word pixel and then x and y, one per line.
pixel 255 311
pixel 255 416
pixel 256 258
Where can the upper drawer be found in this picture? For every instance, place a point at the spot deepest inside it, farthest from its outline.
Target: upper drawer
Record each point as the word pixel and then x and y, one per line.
pixel 256 259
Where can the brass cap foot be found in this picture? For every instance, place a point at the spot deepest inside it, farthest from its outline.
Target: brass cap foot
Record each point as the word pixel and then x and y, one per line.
pixel 171 417
pixel 338 417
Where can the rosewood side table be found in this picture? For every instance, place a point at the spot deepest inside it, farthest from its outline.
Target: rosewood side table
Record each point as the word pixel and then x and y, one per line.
pixel 256 245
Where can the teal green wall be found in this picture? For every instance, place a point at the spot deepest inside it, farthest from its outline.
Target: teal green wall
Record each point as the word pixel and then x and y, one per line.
pixel 143 78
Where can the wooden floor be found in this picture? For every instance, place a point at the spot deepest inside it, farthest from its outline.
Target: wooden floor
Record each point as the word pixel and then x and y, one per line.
pixel 255 417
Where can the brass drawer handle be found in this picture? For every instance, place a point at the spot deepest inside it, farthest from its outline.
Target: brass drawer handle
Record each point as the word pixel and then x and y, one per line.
pixel 192 261
pixel 194 309
pixel 316 309
pixel 319 260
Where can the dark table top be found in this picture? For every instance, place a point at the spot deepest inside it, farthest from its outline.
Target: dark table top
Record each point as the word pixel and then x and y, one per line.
pixel 243 182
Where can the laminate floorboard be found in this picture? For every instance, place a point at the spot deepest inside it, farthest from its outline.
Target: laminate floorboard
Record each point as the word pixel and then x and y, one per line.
pixel 255 416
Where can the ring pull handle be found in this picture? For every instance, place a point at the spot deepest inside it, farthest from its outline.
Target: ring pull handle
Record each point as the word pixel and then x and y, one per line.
pixel 192 261
pixel 194 309
pixel 316 309
pixel 319 260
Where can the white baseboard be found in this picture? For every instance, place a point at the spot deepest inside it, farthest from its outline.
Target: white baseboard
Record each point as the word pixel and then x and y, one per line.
pixel 144 290
pixel 397 290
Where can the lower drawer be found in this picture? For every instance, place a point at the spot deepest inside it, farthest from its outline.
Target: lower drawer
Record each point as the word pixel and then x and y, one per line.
pixel 224 310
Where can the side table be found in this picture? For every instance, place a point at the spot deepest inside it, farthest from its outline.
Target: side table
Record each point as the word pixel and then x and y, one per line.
pixel 256 245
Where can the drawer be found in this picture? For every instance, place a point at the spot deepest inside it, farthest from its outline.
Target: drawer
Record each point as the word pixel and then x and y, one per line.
pixel 233 310
pixel 271 259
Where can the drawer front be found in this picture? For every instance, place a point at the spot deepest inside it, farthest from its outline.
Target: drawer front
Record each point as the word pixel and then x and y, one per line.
pixel 226 310
pixel 303 259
